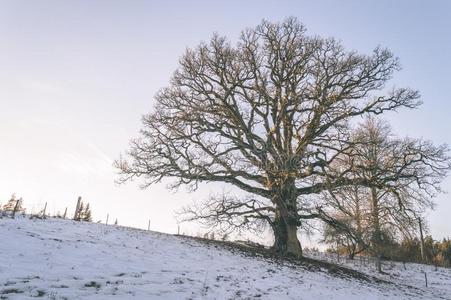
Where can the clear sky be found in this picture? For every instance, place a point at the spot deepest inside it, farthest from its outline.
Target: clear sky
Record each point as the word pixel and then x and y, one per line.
pixel 76 76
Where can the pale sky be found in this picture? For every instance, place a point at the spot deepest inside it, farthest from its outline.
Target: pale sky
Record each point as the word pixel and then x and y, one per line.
pixel 76 76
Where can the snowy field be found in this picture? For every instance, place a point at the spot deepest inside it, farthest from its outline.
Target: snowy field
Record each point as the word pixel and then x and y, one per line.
pixel 59 259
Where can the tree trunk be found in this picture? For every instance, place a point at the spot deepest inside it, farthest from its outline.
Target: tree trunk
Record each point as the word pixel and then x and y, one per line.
pixel 286 242
pixel 421 240
pixel 351 250
pixel 286 221
pixel 377 234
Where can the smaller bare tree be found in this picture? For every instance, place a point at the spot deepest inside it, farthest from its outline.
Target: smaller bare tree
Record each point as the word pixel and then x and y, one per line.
pixel 401 177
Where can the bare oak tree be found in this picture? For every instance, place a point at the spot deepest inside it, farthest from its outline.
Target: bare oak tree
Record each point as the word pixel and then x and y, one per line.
pixel 268 116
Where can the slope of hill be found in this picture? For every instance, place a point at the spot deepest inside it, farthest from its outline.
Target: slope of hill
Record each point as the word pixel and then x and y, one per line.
pixel 60 259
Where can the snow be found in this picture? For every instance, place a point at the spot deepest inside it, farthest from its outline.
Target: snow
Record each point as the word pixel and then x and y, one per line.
pixel 408 275
pixel 61 259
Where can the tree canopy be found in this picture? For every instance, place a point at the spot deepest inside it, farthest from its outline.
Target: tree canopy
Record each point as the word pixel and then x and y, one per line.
pixel 269 115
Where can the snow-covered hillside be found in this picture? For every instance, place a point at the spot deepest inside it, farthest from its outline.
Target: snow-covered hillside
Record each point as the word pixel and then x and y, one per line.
pixel 60 259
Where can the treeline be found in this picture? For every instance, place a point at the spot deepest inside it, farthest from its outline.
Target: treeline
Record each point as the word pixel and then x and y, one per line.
pixel 15 205
pixel 435 252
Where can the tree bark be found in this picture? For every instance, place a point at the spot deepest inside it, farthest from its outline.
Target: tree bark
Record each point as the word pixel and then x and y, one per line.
pixel 286 221
pixel 286 242
pixel 377 234
pixel 421 240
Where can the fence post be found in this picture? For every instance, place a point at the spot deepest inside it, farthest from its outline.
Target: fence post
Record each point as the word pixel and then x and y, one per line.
pixel 107 216
pixel 379 263
pixel 65 212
pixel 426 278
pixel 77 208
pixel 43 212
pixel 15 208
pixel 148 226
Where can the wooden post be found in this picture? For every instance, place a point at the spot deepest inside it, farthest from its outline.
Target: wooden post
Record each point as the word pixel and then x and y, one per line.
pixel 43 212
pixel 178 229
pixel 338 254
pixel 65 212
pixel 77 208
pixel 148 226
pixel 107 216
pixel 15 208
pixel 115 222
pixel 421 239
pixel 379 263
pixel 426 279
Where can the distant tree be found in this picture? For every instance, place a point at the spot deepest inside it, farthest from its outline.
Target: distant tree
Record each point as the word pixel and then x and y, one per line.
pixel 14 204
pixel 444 252
pixel 10 204
pixel 387 208
pixel 84 213
pixel 79 214
pixel 268 116
pixel 408 250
